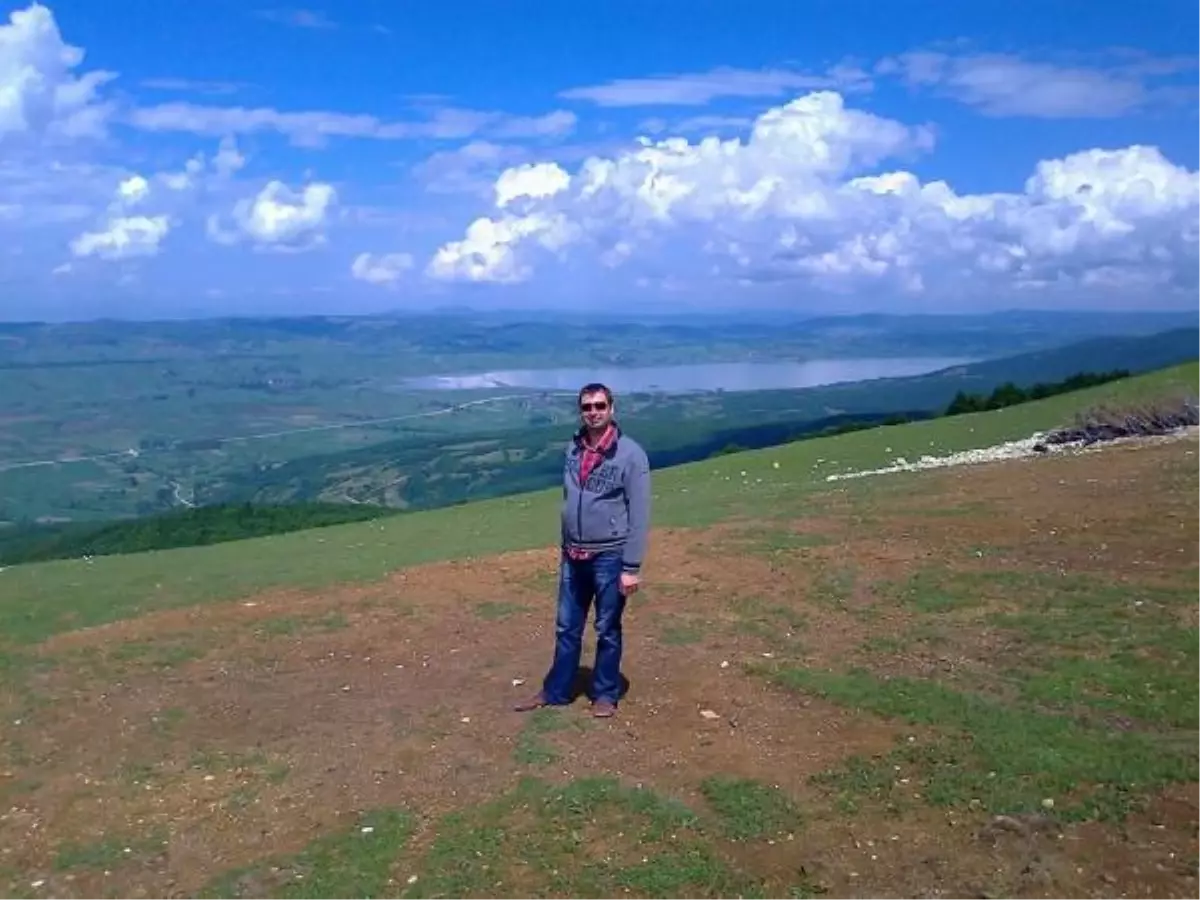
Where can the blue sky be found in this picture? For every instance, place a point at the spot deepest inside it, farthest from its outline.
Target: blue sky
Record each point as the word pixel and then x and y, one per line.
pixel 189 159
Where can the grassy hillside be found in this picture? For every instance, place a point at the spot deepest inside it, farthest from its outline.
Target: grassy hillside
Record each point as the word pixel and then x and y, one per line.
pixel 328 397
pixel 520 469
pixel 426 472
pixel 182 528
pixel 41 599
pixel 964 682
pixel 1137 353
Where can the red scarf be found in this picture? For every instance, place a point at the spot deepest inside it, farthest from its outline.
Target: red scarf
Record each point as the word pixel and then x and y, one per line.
pixel 593 455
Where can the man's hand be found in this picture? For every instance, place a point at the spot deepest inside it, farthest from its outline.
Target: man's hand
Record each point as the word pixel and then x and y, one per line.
pixel 630 583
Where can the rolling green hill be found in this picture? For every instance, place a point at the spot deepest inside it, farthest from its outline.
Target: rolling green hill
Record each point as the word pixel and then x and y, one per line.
pixel 471 454
pixel 1140 353
pixel 991 671
pixel 39 599
pixel 427 472
pixel 169 413
pixel 214 523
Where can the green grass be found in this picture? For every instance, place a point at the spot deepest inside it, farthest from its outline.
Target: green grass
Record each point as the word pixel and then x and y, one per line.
pixel 933 589
pixel 833 585
pixel 682 634
pixel 206 760
pixel 775 623
pixel 1108 650
pixel 161 653
pixel 18 669
pixel 1125 684
pixel 776 541
pixel 748 809
pixel 496 610
pixel 284 626
pixel 1080 644
pixel 1005 758
pixel 111 851
pixel 593 837
pixel 355 862
pixel 43 599
pixel 1092 702
pixel 531 748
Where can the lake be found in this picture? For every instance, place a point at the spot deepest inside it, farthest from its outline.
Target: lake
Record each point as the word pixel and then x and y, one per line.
pixel 747 376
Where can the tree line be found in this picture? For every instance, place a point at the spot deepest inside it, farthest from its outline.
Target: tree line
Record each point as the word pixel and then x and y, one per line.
pixel 183 528
pixel 1010 394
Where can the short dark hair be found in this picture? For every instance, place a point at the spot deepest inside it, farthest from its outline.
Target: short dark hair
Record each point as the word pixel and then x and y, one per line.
pixel 595 387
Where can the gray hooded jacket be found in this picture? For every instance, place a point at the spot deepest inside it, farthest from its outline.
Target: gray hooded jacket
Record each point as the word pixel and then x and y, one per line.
pixel 611 511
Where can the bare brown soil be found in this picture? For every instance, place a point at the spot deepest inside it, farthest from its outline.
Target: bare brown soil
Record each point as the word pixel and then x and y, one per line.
pixel 279 716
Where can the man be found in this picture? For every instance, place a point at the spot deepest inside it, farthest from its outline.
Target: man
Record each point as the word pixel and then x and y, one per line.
pixel 605 522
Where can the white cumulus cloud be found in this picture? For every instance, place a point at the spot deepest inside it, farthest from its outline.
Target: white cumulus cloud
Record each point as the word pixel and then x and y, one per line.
pixel 488 251
pixel 387 268
pixel 124 237
pixel 278 217
pixel 133 190
pixel 123 234
pixel 537 181
pixel 40 94
pixel 813 195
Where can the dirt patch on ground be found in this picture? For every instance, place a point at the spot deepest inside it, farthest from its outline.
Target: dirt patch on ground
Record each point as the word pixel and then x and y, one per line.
pixel 1086 513
pixel 285 723
pixel 1153 854
pixel 138 770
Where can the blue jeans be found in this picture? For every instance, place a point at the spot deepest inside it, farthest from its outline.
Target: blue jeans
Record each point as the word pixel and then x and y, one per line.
pixel 579 583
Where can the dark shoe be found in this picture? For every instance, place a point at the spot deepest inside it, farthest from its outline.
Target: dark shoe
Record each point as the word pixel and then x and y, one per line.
pixel 604 709
pixel 537 701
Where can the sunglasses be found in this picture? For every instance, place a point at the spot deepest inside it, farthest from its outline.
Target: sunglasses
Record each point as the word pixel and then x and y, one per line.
pixel 589 407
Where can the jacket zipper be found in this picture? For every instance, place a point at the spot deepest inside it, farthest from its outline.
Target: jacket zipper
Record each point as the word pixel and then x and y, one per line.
pixel 579 505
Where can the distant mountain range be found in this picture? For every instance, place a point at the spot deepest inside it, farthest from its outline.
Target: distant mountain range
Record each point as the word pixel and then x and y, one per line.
pixel 439 342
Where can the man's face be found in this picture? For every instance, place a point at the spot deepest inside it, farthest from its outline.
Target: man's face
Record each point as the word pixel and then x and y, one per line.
pixel 595 410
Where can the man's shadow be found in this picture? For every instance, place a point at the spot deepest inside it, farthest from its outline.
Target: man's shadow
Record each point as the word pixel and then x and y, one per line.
pixel 582 685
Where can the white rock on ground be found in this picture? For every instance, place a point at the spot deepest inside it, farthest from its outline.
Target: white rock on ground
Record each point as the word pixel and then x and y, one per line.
pixel 1008 450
